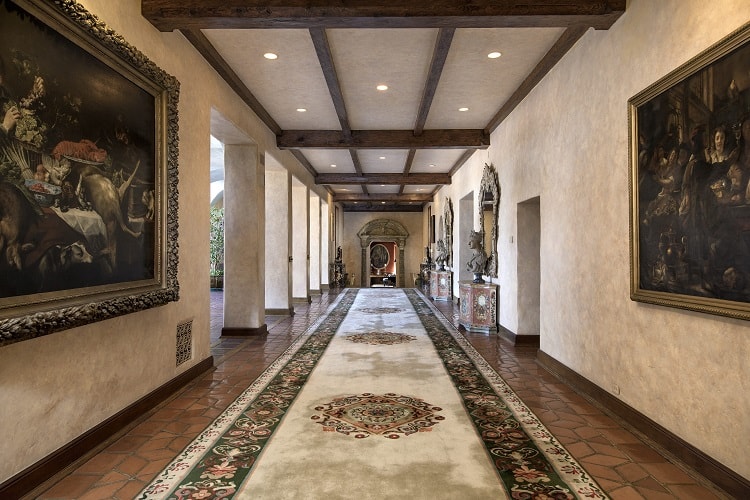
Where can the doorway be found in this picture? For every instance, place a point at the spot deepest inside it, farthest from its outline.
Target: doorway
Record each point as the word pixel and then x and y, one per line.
pixel 529 274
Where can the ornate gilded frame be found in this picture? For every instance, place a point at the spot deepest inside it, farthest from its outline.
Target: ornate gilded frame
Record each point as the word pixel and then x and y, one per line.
pixel 83 37
pixel 489 196
pixel 448 221
pixel 689 226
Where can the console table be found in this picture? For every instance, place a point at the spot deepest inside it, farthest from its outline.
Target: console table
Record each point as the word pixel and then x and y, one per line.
pixel 478 306
pixel 441 285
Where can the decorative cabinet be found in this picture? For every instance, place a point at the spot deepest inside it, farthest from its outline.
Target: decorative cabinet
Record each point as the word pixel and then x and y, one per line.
pixel 337 275
pixel 478 306
pixel 441 285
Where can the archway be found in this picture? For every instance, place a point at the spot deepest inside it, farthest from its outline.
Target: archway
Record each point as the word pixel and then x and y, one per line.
pixel 382 230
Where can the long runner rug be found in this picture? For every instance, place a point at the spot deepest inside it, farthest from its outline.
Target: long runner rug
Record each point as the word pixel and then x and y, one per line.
pixel 380 398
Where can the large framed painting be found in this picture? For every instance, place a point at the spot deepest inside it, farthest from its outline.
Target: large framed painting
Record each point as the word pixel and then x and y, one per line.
pixel 88 172
pixel 690 196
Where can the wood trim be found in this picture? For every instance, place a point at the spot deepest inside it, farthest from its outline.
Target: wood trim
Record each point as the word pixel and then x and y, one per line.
pixel 518 340
pixel 212 56
pixel 168 15
pixel 36 474
pixel 439 55
pixel 550 59
pixel 244 332
pixel 349 197
pixel 383 179
pixel 323 50
pixel 304 161
pixel 711 469
pixel 383 139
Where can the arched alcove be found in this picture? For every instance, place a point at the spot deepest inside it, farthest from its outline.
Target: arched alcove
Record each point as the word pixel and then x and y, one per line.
pixel 382 230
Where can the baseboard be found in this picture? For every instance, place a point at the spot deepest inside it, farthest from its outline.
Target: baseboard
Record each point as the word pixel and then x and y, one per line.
pixel 723 477
pixel 299 300
pixel 519 340
pixel 34 475
pixel 280 312
pixel 244 332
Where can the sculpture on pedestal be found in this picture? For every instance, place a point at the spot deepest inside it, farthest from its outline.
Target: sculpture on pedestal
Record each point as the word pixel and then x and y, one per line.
pixel 478 262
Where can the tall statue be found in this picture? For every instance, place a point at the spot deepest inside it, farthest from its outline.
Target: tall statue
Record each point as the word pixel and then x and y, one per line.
pixel 478 262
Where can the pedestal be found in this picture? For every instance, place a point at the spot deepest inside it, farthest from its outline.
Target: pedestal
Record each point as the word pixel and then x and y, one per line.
pixel 478 308
pixel 441 285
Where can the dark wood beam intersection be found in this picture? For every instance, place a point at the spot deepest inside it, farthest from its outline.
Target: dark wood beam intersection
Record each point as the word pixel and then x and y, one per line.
pixel 168 15
pixel 383 139
pixel 387 179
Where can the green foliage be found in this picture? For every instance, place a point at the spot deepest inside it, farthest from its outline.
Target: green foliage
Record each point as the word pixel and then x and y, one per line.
pixel 217 242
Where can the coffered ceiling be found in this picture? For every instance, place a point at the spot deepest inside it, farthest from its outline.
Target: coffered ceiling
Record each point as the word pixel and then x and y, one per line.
pixel 380 150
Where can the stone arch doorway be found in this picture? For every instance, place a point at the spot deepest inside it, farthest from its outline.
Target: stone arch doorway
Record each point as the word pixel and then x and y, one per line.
pixel 382 230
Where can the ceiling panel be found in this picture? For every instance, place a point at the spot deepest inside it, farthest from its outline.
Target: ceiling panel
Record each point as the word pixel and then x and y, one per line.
pixel 380 189
pixel 322 159
pixel 442 159
pixel 365 58
pixel 389 161
pixel 471 79
pixel 294 80
pixel 418 189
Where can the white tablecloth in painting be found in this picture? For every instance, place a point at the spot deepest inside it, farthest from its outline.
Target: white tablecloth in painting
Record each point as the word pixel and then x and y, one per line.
pixel 89 224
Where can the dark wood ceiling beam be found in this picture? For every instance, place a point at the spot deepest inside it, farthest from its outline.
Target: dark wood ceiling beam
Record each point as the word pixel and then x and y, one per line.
pixel 323 49
pixel 378 207
pixel 304 161
pixel 439 54
pixel 383 139
pixel 407 166
pixel 385 179
pixel 168 15
pixel 563 44
pixel 209 53
pixel 460 162
pixel 377 197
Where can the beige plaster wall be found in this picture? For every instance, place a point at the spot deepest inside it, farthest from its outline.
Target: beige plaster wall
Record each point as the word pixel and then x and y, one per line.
pixel 568 144
pixel 54 388
pixel 352 251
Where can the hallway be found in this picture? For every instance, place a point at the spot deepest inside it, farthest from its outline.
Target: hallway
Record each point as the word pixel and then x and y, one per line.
pixel 623 465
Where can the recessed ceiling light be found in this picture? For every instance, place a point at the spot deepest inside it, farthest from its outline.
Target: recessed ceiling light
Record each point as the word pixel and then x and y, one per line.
pixel 382 157
pixel 333 165
pixel 432 164
pixel 382 203
pixel 382 87
pixel 463 109
pixel 270 55
pixel 494 55
pixel 301 110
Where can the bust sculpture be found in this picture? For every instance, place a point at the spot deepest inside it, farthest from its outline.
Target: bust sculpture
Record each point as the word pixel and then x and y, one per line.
pixel 442 256
pixel 478 260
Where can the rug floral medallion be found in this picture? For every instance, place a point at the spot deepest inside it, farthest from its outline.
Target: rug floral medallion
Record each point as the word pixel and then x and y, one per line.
pixel 528 460
pixel 389 415
pixel 380 338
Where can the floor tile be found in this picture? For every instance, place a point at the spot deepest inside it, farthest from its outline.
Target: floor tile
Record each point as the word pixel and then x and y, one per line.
pixel 623 465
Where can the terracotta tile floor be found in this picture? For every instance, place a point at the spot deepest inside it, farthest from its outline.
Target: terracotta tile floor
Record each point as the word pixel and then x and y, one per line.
pixel 623 464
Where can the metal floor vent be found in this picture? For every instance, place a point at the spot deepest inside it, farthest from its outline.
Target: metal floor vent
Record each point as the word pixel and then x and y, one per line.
pixel 184 342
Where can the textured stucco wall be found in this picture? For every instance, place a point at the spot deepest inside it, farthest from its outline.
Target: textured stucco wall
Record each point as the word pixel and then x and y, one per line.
pixel 567 143
pixel 54 388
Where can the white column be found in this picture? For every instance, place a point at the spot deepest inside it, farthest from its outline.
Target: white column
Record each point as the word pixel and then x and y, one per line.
pixel 244 246
pixel 325 252
pixel 300 241
pixel 278 284
pixel 314 243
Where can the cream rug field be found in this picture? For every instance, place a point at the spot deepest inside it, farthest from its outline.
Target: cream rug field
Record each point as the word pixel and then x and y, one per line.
pixel 380 399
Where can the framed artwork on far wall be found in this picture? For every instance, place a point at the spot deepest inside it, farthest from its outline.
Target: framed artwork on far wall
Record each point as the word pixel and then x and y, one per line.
pixel 88 172
pixel 689 190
